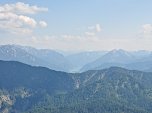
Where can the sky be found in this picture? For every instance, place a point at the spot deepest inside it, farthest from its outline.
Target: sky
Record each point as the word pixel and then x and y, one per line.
pixel 77 25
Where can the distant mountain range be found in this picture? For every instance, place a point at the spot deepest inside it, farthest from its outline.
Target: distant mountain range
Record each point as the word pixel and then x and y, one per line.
pixel 35 57
pixel 141 60
pixel 77 62
pixel 47 58
pixel 25 88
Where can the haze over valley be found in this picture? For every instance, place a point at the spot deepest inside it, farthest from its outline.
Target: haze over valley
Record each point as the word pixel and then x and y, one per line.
pixel 77 62
pixel 82 56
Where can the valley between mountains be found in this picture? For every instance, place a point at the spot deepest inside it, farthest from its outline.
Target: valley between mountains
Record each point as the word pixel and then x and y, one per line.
pixel 115 82
pixel 77 61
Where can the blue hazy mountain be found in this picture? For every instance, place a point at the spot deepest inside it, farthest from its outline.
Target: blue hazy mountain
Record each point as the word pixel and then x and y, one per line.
pixel 78 60
pixel 35 57
pixel 139 60
pixel 141 53
pixel 112 58
pixel 48 58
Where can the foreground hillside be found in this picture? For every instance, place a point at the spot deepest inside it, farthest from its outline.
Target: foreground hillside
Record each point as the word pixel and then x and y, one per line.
pixel 24 88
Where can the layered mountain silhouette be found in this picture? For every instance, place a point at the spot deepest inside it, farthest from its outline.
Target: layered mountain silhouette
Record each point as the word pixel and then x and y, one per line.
pixel 77 62
pixel 131 60
pixel 35 57
pixel 47 58
pixel 25 88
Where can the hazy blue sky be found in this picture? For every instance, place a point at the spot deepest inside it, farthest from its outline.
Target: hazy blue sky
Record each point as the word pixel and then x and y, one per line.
pixel 77 24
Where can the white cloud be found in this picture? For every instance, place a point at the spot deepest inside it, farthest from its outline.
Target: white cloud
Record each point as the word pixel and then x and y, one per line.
pixel 91 27
pixel 43 24
pixel 77 42
pixel 147 29
pixel 16 23
pixel 93 30
pixel 90 34
pixel 90 41
pixel 27 20
pixel 14 20
pixel 98 28
pixel 82 42
pixel 21 8
pixel 86 41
